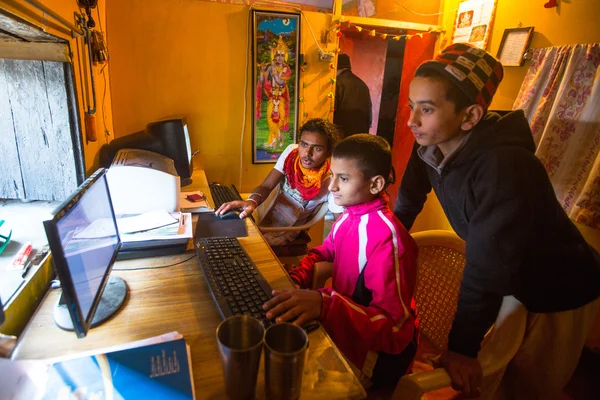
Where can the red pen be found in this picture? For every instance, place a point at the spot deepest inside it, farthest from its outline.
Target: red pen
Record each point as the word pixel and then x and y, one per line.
pixel 22 256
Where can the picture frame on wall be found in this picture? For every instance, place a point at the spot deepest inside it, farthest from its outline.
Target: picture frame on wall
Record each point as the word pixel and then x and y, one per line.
pixel 514 44
pixel 275 52
pixel 474 20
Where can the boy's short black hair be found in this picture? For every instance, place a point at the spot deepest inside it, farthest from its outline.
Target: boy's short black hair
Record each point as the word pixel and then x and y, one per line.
pixel 373 155
pixel 325 128
pixel 453 93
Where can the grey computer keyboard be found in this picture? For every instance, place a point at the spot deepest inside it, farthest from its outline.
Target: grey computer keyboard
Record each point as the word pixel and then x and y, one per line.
pixel 235 283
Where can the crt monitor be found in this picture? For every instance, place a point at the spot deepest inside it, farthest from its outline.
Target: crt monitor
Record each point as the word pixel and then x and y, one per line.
pixel 169 137
pixel 84 242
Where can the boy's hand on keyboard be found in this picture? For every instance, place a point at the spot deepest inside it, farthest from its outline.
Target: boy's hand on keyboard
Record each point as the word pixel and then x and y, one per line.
pixel 301 306
pixel 246 206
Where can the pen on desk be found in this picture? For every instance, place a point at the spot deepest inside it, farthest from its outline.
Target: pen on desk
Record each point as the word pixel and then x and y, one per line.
pixel 26 269
pixel 181 224
pixel 37 258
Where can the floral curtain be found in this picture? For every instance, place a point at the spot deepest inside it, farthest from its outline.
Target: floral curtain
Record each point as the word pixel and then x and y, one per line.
pixel 561 98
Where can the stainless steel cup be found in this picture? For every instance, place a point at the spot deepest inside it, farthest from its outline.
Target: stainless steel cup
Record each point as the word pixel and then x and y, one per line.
pixel 240 340
pixel 286 348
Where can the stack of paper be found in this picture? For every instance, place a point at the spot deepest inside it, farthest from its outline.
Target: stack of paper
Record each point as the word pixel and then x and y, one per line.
pixel 155 225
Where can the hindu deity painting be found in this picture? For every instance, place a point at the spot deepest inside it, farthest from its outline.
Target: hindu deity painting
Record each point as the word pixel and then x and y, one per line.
pixel 275 45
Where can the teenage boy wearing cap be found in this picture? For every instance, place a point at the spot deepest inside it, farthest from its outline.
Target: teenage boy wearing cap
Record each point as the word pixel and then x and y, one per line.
pixel 499 199
pixel 353 109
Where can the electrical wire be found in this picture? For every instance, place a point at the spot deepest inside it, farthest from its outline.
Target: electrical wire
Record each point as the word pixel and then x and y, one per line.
pixel 421 14
pixel 159 267
pixel 99 18
pixel 311 31
pixel 245 95
pixel 106 130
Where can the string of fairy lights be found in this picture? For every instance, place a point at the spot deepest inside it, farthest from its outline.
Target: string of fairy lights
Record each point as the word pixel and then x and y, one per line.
pixel 340 27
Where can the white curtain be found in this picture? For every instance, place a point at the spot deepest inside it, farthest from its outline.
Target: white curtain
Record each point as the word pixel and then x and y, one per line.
pixel 561 98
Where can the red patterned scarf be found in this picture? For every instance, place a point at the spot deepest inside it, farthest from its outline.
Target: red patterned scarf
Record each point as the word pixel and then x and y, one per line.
pixel 306 181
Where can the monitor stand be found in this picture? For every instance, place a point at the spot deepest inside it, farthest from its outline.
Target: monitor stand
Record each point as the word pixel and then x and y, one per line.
pixel 113 297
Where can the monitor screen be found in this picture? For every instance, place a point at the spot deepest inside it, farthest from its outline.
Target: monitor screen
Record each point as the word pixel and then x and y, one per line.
pixel 84 242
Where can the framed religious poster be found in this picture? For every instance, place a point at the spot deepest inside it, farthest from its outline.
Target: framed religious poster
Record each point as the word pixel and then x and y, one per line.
pixel 474 22
pixel 275 41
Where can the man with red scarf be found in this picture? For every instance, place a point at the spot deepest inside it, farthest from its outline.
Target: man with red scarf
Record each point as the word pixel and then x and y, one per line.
pixel 302 177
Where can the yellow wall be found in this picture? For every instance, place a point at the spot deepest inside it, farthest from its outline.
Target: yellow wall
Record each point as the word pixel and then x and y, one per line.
pixel 189 57
pixel 575 22
pixel 422 12
pixel 572 23
pixel 66 9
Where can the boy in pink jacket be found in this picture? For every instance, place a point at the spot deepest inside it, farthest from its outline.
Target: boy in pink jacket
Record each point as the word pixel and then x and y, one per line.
pixel 369 310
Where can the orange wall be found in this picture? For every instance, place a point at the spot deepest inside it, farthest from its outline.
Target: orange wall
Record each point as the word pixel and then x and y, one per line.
pixel 423 12
pixel 65 9
pixel 189 57
pixel 574 22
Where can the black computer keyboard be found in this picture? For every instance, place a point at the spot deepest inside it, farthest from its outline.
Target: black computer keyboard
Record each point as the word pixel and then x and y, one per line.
pixel 236 285
pixel 223 194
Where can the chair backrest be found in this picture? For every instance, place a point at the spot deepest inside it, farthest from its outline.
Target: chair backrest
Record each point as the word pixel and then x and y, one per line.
pixel 441 263
pixel 440 267
pixel 262 210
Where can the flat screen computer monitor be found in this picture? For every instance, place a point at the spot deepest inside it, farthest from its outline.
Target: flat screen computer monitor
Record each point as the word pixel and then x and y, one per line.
pixel 84 242
pixel 169 137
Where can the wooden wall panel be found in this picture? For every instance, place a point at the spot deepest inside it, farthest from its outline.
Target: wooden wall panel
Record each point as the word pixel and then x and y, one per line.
pixel 11 182
pixel 61 142
pixel 41 124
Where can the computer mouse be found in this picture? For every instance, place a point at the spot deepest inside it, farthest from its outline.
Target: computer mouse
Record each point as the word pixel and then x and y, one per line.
pixel 231 214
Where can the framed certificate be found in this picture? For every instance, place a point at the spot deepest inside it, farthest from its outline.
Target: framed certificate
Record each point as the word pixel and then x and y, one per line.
pixel 514 44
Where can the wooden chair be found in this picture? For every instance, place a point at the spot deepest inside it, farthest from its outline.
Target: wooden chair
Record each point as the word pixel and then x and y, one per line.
pixel 440 266
pixel 299 247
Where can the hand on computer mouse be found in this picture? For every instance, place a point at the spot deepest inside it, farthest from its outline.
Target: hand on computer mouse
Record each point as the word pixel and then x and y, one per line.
pixel 246 207
pixel 231 214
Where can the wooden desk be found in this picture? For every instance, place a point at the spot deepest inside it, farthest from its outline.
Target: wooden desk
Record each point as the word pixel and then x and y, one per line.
pixel 176 298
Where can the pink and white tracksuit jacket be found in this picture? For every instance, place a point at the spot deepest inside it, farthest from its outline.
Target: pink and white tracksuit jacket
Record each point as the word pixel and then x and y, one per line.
pixel 369 312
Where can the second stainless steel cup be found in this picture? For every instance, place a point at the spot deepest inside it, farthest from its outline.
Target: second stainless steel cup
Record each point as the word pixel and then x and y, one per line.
pixel 240 340
pixel 286 348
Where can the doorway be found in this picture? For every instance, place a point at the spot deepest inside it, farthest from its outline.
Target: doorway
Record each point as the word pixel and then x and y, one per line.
pixel 378 63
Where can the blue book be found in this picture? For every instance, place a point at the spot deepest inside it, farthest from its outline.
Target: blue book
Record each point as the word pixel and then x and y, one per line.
pixel 153 371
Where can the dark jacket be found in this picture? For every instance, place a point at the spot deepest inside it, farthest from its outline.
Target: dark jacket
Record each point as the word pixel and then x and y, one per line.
pixel 352 111
pixel 499 199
